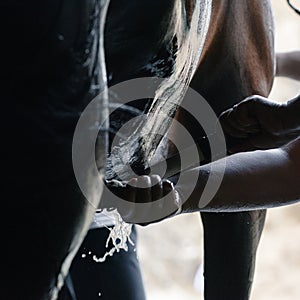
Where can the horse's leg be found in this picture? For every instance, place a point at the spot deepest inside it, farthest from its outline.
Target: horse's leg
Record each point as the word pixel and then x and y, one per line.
pixel 237 62
pixel 230 244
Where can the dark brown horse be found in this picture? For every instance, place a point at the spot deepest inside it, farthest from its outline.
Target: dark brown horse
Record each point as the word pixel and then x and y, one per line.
pixel 50 54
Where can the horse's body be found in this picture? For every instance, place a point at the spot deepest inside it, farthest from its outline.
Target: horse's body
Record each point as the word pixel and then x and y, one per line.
pixel 46 83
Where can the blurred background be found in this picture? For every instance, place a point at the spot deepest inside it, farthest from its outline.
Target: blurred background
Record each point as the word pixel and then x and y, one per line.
pixel 171 252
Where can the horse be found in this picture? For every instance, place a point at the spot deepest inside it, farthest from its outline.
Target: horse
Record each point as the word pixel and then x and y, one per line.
pixel 53 66
pixel 237 61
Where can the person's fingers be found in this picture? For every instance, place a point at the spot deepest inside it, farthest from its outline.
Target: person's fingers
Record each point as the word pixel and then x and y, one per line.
pixel 255 142
pixel 291 135
pixel 131 190
pixel 143 194
pixel 231 129
pixel 173 196
pixel 168 186
pixel 261 141
pixel 268 141
pixel 114 186
pixel 246 115
pixel 132 182
pixel 240 117
pixel 148 189
pixel 231 126
pixel 157 187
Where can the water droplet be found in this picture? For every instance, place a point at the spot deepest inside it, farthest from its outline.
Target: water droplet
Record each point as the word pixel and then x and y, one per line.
pixel 60 37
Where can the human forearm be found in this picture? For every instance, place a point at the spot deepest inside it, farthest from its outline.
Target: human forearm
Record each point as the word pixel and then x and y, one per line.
pixel 288 64
pixel 244 181
pixel 292 117
pixel 252 180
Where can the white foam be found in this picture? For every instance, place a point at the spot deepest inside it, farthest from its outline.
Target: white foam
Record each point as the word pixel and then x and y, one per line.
pixel 119 236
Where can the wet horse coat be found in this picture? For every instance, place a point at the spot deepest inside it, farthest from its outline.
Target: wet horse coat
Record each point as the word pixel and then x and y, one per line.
pixel 49 66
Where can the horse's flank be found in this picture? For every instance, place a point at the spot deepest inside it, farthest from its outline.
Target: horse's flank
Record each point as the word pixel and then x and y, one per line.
pixel 238 57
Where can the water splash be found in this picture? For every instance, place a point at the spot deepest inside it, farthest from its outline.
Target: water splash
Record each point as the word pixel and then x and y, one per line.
pixel 119 236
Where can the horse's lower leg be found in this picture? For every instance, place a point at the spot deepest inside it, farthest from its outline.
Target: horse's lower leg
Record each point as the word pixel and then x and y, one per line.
pixel 230 245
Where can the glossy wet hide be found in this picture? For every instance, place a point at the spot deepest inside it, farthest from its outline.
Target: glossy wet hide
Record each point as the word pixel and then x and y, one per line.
pixel 50 63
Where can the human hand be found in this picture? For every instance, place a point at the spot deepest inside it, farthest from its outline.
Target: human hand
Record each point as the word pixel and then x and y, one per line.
pixel 288 64
pixel 142 190
pixel 257 123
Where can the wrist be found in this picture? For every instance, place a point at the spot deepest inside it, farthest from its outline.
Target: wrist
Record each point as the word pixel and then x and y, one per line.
pixel 190 190
pixel 288 64
pixel 278 64
pixel 291 112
